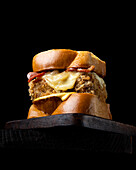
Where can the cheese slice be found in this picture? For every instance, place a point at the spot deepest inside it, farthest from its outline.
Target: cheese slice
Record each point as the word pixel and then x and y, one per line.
pixel 62 96
pixel 61 81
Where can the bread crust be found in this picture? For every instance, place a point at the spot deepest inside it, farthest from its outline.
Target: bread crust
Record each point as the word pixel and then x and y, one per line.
pixel 64 58
pixel 53 59
pixel 35 112
pixel 44 107
pixel 84 103
pixel 77 103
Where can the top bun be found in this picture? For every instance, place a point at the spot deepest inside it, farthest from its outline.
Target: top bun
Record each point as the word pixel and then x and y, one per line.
pixel 65 58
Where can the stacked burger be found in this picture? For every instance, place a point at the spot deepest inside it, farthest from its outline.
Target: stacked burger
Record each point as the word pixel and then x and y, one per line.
pixel 66 81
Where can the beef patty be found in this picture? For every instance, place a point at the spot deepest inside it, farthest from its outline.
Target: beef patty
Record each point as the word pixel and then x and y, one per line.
pixel 85 83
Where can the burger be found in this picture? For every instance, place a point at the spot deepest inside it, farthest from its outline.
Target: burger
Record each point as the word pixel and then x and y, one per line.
pixel 66 81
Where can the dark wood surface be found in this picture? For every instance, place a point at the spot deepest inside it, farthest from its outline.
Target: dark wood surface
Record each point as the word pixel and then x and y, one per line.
pixel 73 120
pixel 70 132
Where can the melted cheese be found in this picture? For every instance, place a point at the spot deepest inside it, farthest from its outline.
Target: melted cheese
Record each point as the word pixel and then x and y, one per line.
pixel 62 96
pixel 101 81
pixel 61 81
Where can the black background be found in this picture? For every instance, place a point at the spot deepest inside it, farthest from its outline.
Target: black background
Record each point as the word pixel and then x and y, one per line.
pixel 107 30
pixel 109 35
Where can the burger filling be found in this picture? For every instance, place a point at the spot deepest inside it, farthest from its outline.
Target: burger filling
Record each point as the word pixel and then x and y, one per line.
pixel 67 81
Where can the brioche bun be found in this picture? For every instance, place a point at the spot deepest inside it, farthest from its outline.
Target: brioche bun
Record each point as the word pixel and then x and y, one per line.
pixel 63 59
pixel 77 103
pixel 53 59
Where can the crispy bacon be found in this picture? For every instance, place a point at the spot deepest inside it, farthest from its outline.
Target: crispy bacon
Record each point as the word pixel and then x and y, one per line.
pixel 32 75
pixel 81 69
pixel 71 69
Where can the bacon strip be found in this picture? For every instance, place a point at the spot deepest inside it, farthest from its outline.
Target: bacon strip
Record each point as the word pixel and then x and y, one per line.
pixel 32 75
pixel 81 69
pixel 71 69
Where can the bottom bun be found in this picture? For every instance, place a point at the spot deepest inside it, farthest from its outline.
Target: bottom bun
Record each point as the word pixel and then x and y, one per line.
pixel 77 103
pixel 44 107
pixel 35 112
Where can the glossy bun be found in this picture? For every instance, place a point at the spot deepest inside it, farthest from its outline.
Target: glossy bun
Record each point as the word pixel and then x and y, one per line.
pixel 77 103
pixel 63 59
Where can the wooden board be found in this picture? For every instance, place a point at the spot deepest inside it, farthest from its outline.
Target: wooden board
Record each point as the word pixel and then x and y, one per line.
pixel 73 120
pixel 74 132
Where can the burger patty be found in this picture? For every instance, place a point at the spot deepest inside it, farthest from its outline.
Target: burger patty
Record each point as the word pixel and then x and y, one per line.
pixel 38 88
pixel 85 83
pixel 91 83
